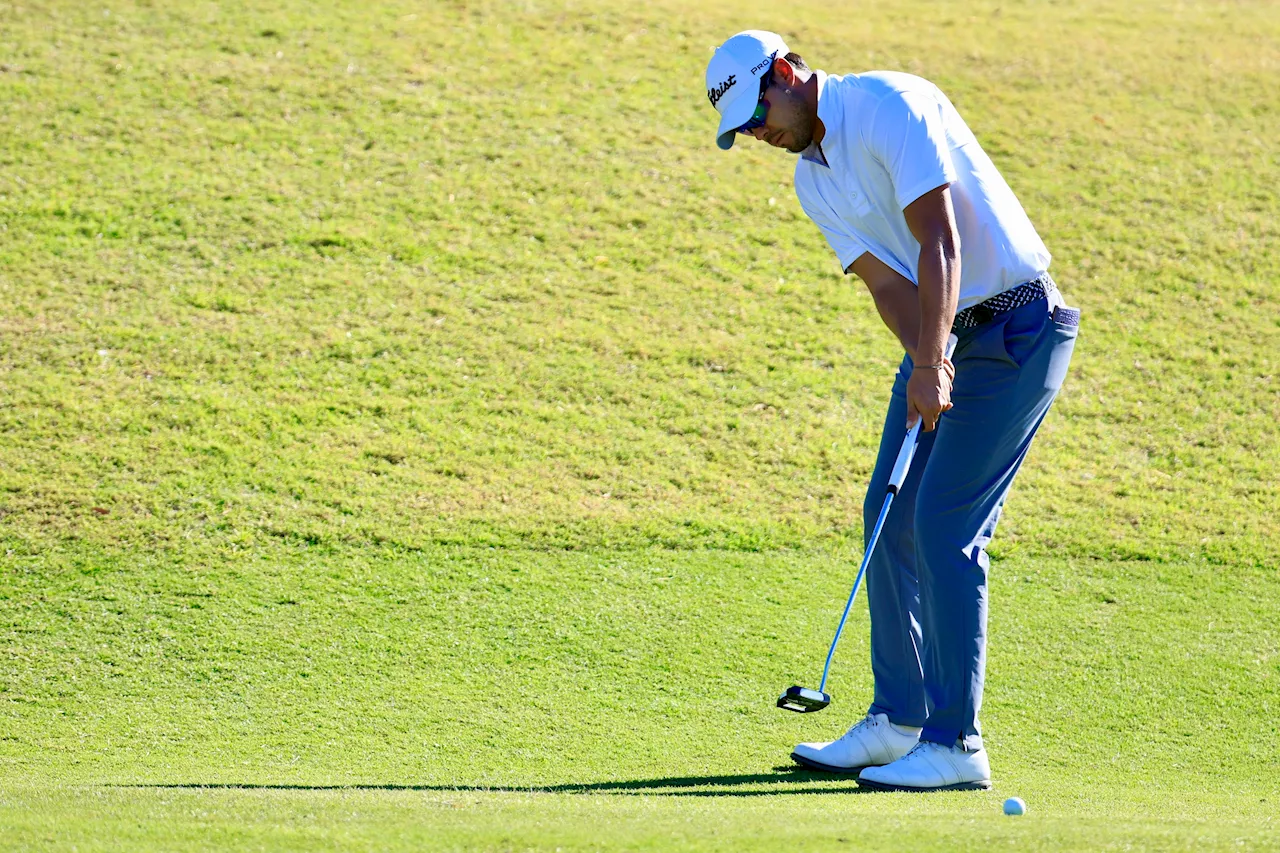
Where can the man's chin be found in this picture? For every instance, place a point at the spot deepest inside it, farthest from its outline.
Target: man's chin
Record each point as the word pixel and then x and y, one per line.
pixel 797 148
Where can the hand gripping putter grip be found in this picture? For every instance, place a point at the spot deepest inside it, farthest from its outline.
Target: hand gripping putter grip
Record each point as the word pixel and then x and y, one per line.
pixel 802 699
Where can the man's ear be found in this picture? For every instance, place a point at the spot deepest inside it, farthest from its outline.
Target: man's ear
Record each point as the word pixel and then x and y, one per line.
pixel 783 72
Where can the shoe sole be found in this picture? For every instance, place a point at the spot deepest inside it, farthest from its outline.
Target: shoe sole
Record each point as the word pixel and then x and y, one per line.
pixel 984 785
pixel 827 768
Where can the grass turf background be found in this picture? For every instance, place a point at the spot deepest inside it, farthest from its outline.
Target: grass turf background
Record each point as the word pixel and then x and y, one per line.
pixel 411 395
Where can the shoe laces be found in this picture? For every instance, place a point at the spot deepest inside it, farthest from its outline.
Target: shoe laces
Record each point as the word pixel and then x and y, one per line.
pixel 869 721
pixel 918 751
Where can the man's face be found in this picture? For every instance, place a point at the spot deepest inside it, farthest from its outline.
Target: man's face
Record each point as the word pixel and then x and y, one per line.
pixel 789 123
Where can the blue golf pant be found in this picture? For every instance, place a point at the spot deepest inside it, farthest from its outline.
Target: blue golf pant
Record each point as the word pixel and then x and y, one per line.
pixel 927 580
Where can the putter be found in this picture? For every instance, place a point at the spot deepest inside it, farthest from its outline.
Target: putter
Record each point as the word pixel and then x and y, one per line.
pixel 802 700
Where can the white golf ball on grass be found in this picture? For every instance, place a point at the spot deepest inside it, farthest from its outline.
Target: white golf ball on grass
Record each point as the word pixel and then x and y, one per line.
pixel 1015 806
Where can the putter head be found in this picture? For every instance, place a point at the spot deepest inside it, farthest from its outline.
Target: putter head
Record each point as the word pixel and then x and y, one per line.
pixel 802 700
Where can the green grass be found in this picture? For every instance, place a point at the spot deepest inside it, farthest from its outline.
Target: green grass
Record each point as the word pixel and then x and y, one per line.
pixel 415 434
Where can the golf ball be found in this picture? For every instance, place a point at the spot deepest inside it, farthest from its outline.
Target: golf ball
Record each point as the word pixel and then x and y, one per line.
pixel 1015 805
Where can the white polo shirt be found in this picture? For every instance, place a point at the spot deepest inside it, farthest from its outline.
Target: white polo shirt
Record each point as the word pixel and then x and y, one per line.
pixel 890 138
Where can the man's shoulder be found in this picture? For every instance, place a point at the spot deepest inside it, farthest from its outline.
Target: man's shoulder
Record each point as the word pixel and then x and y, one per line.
pixel 885 83
pixel 891 87
pixel 861 95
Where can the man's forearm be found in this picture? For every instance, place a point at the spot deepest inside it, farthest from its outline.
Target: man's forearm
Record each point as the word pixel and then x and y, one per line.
pixel 937 292
pixel 899 308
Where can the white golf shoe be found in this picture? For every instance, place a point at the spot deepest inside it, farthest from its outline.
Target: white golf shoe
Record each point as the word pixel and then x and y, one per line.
pixel 931 767
pixel 872 741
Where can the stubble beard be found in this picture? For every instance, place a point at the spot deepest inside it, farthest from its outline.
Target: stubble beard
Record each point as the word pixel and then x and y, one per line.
pixel 802 133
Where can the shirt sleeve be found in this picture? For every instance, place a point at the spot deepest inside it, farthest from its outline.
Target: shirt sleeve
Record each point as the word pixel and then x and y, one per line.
pixel 907 136
pixel 847 246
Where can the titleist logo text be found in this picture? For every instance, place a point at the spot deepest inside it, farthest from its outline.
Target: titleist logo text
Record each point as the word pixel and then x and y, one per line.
pixel 714 95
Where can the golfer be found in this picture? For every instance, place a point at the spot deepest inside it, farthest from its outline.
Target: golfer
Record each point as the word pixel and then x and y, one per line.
pixel 912 205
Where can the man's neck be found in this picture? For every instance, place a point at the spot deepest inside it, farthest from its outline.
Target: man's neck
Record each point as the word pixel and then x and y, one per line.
pixel 810 91
pixel 811 100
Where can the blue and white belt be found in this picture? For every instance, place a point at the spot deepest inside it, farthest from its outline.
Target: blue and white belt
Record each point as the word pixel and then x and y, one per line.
pixel 1015 297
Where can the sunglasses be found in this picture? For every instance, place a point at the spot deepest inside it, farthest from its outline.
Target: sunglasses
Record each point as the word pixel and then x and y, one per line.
pixel 762 107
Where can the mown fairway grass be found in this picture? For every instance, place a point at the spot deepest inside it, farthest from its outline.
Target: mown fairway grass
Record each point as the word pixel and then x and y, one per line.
pixel 415 434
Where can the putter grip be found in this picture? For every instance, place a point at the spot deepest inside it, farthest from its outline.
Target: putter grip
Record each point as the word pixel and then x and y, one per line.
pixel 908 451
pixel 905 455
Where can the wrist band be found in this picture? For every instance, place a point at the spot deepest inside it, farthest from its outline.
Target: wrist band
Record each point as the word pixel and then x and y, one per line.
pixel 929 367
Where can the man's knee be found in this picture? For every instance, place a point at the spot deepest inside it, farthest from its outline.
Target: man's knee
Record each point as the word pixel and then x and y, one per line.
pixel 949 537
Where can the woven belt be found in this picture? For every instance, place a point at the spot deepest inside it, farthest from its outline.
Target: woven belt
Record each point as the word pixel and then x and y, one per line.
pixel 1015 297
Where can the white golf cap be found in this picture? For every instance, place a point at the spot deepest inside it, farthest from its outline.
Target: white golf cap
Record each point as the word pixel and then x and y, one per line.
pixel 733 78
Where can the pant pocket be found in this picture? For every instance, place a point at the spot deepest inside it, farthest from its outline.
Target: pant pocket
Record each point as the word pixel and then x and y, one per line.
pixel 1041 344
pixel 1025 330
pixel 986 342
pixel 1063 336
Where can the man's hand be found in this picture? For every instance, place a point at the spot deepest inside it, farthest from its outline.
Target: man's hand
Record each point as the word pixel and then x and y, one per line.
pixel 929 394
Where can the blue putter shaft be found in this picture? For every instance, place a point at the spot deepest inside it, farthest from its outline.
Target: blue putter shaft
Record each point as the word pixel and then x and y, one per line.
pixel 908 451
pixel 900 468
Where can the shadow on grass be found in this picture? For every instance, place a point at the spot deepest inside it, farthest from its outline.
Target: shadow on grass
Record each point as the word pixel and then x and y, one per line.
pixel 784 780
